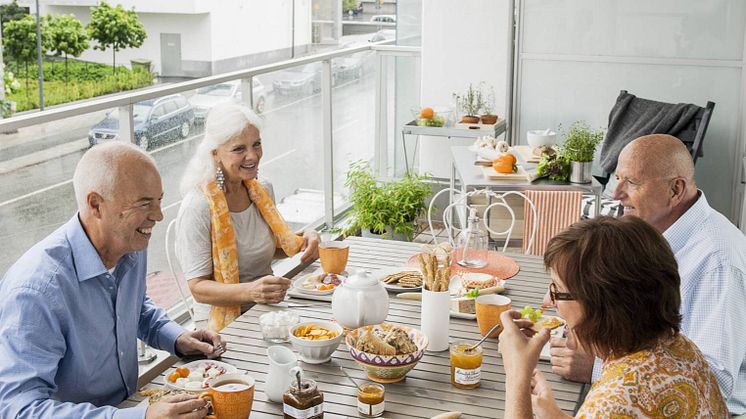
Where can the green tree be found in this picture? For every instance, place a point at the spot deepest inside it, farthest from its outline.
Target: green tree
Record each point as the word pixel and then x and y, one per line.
pixel 19 42
pixel 11 11
pixel 67 36
pixel 348 5
pixel 115 28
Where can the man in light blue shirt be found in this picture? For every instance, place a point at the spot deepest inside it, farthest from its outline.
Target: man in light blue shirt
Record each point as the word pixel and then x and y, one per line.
pixel 655 177
pixel 74 305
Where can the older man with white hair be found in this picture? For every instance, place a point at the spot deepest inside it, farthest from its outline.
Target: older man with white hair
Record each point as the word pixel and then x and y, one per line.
pixel 656 183
pixel 74 305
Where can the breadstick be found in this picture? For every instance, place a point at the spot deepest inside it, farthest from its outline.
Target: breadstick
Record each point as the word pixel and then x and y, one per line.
pixel 423 265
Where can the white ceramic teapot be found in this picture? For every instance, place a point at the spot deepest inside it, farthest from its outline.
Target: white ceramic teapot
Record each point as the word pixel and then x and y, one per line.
pixel 361 300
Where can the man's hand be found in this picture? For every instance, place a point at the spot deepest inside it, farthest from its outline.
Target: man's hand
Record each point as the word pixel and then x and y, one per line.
pixel 542 399
pixel 519 345
pixel 183 406
pixel 311 240
pixel 201 341
pixel 267 289
pixel 572 364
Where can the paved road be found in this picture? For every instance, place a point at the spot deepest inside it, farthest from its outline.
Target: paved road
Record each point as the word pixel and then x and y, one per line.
pixel 37 199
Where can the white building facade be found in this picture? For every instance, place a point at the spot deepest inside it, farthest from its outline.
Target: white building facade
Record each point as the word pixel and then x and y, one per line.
pixel 197 38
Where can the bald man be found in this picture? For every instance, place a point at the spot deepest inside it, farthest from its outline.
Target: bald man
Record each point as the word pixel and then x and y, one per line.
pixel 74 305
pixel 655 177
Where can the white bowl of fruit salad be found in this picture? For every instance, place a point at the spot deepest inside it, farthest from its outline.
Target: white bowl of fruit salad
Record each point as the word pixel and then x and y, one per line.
pixel 195 375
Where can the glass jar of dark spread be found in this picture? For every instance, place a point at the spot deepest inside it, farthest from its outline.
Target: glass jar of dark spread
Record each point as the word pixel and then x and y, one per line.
pixel 304 403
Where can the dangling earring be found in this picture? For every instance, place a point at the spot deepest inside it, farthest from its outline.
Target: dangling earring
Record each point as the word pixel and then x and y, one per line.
pixel 220 178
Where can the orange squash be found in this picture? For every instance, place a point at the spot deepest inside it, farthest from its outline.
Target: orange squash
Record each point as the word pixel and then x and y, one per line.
pixel 427 113
pixel 505 163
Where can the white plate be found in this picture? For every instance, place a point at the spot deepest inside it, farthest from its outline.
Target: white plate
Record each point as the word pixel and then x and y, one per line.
pixel 229 369
pixel 384 272
pixel 297 284
pixel 454 288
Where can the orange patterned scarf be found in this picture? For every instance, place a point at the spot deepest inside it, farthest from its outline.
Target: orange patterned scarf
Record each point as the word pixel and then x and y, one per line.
pixel 224 250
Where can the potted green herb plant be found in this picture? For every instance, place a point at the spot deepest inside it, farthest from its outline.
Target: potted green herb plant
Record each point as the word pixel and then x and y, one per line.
pixel 386 209
pixel 469 104
pixel 579 146
pixel 488 104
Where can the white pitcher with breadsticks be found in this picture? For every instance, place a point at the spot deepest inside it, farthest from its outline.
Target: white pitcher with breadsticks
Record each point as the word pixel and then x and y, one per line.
pixel 435 264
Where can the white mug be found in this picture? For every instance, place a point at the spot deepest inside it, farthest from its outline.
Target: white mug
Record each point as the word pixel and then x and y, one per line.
pixel 282 368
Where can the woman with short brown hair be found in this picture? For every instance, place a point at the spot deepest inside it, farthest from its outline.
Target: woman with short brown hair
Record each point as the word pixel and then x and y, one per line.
pixel 616 284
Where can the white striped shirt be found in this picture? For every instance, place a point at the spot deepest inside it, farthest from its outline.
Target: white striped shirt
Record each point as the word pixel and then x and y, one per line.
pixel 711 253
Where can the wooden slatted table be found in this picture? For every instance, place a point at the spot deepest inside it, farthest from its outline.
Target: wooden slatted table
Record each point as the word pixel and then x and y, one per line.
pixel 427 390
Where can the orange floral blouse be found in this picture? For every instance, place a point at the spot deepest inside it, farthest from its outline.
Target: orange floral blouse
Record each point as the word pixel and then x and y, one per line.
pixel 672 380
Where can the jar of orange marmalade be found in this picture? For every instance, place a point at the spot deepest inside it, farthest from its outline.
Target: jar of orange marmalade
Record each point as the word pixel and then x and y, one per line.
pixel 465 365
pixel 370 400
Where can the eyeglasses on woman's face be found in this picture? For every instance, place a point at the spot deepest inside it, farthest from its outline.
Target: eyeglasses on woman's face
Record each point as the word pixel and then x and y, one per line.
pixel 555 296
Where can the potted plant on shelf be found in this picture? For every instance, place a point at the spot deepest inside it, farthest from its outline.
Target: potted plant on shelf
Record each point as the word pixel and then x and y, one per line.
pixel 469 103
pixel 579 146
pixel 385 209
pixel 488 105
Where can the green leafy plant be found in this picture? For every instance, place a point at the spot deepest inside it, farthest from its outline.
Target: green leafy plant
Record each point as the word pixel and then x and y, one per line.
pixel 554 166
pixel 10 83
pixel 115 28
pixel 11 11
pixel 378 205
pixel 488 103
pixel 68 37
pixel 19 42
pixel 348 5
pixel 470 102
pixel 580 142
pixel 99 82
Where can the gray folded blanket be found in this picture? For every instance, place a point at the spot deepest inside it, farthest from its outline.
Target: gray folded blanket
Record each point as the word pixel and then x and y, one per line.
pixel 632 117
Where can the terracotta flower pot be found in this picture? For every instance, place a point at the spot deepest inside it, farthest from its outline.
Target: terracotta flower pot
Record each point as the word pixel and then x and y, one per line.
pixel 489 119
pixel 468 119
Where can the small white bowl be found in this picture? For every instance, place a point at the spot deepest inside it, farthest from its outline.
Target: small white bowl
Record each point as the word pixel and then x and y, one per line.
pixel 537 138
pixel 316 351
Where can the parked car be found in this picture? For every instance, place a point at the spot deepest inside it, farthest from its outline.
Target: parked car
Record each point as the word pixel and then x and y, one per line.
pixel 155 121
pixel 209 96
pixel 383 35
pixel 298 80
pixel 347 68
pixel 383 19
pixel 306 80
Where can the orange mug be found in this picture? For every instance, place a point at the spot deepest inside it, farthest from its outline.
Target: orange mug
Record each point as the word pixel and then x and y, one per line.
pixel 231 396
pixel 333 255
pixel 489 308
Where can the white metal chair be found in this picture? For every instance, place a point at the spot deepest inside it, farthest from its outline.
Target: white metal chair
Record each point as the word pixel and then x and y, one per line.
pixel 460 199
pixel 186 297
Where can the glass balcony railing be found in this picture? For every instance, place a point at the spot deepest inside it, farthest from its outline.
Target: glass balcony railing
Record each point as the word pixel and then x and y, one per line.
pixel 321 112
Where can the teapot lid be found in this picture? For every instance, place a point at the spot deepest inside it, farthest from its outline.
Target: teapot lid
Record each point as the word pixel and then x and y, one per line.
pixel 360 279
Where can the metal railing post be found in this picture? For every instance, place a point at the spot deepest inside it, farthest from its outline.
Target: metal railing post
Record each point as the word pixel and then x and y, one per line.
pixel 126 124
pixel 380 149
pixel 247 93
pixel 327 139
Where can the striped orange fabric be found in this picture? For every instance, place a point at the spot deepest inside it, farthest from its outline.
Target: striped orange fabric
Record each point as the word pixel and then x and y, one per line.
pixel 556 210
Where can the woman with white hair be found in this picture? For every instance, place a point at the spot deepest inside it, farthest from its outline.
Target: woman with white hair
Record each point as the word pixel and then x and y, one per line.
pixel 228 229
